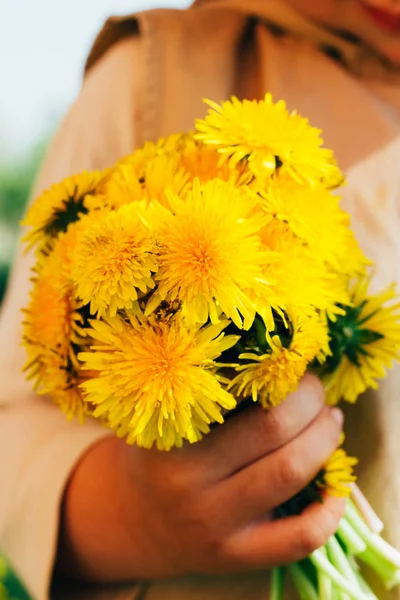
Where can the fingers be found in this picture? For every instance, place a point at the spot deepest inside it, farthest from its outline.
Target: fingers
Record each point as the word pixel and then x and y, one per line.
pixel 252 434
pixel 282 541
pixel 267 483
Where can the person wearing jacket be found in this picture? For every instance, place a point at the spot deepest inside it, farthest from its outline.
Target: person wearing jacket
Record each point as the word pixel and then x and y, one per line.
pixel 80 508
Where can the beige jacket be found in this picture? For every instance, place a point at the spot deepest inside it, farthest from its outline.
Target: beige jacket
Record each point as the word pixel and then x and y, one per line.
pixel 145 77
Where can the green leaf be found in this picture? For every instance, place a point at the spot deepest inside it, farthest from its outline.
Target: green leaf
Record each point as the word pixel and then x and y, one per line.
pixel 12 587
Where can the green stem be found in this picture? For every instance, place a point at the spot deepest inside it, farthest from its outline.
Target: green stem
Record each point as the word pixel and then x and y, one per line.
pixel 336 593
pixel 305 588
pixel 361 581
pixel 325 587
pixel 388 572
pixel 339 559
pixel 321 562
pixel 277 583
pixel 373 540
pixel 350 538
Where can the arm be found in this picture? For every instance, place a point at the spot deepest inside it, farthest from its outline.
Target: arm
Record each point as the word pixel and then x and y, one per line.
pixel 128 513
pixel 40 446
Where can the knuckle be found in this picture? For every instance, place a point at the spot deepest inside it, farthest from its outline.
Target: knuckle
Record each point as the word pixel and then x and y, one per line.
pixel 178 479
pixel 230 553
pixel 290 471
pixel 201 523
pixel 177 483
pixel 214 544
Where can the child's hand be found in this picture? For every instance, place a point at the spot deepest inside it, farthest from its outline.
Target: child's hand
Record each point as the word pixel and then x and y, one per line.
pixel 131 513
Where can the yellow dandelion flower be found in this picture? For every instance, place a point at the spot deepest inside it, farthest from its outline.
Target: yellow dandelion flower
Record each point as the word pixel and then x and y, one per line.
pixel 315 216
pixel 156 380
pixel 53 331
pixel 204 162
pixel 52 309
pixel 138 160
pixel 165 173
pixel 113 260
pixel 210 253
pixel 62 252
pixel 124 182
pixel 132 181
pixel 297 277
pixel 365 340
pixel 142 156
pixel 337 474
pixel 60 378
pixel 57 207
pixel 269 378
pixel 120 187
pixel 268 136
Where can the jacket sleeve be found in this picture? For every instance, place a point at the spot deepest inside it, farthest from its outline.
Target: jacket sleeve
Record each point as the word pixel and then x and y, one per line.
pixel 38 448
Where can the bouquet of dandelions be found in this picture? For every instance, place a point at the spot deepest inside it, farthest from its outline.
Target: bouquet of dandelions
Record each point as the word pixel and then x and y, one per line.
pixel 207 268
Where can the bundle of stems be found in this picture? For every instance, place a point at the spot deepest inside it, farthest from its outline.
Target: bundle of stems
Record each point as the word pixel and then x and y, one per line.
pixel 333 572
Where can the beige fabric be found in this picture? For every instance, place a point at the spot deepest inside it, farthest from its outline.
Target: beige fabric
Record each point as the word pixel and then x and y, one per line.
pixel 38 447
pixel 149 85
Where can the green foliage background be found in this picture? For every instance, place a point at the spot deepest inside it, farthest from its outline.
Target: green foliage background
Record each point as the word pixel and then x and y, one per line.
pixel 11 587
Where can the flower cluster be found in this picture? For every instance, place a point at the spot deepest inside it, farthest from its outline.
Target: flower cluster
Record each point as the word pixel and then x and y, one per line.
pixel 204 269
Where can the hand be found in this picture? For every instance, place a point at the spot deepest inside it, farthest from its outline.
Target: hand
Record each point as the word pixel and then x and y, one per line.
pixel 131 513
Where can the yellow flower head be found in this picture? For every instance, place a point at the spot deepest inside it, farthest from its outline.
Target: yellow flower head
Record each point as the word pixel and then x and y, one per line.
pixel 113 260
pixel 364 341
pixel 139 161
pixel 268 136
pixel 57 207
pixel 156 379
pixel 210 253
pixel 204 162
pixel 314 215
pixel 269 378
pixel 297 277
pixel 135 179
pixel 53 330
pixel 337 474
pixel 120 187
pixel 165 173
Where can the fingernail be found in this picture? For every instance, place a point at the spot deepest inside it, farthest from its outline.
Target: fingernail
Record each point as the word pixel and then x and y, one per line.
pixel 337 415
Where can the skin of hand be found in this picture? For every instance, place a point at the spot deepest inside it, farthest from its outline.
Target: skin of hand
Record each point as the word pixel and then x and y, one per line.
pixel 130 513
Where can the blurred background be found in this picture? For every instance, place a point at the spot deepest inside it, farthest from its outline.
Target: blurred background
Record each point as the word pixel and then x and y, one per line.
pixel 43 46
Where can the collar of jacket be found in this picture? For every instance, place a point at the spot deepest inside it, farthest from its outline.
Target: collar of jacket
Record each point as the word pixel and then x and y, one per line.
pixel 358 57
